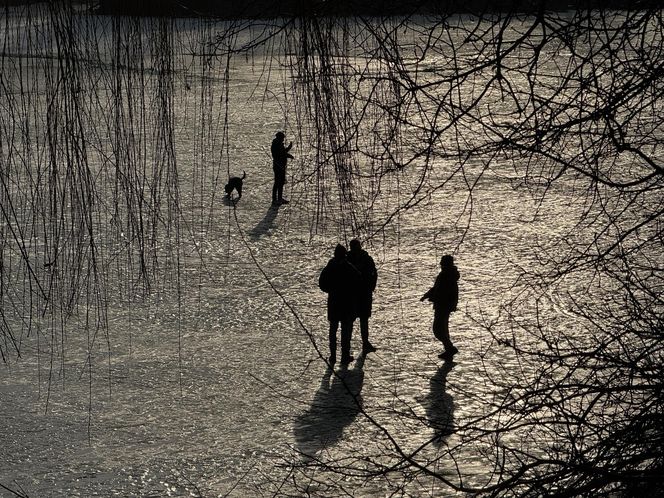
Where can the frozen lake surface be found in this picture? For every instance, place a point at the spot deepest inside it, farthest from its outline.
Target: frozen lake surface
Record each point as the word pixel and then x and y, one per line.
pixel 214 383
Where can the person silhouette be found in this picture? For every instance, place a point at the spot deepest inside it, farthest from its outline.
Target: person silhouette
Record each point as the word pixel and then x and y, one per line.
pixel 364 263
pixel 340 280
pixel 444 295
pixel 280 157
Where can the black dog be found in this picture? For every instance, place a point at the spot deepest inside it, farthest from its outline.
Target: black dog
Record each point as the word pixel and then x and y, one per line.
pixel 235 182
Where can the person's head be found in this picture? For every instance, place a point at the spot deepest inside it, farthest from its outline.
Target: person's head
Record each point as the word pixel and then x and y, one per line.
pixel 280 136
pixel 355 245
pixel 339 251
pixel 446 261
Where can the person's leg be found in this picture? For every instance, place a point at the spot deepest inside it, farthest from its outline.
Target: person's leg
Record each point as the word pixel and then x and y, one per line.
pixel 441 330
pixel 281 180
pixel 437 326
pixel 445 334
pixel 367 347
pixel 275 190
pixel 280 191
pixel 334 325
pixel 364 330
pixel 346 335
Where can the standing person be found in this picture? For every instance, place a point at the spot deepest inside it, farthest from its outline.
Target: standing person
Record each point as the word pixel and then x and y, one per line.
pixel 364 263
pixel 444 295
pixel 339 279
pixel 280 157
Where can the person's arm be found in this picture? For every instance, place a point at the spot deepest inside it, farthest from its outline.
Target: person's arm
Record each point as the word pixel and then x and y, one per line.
pixel 373 274
pixel 431 293
pixel 324 279
pixel 289 146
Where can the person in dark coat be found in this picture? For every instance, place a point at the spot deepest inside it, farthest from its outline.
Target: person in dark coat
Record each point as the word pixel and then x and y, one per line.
pixel 280 157
pixel 444 295
pixel 364 263
pixel 340 280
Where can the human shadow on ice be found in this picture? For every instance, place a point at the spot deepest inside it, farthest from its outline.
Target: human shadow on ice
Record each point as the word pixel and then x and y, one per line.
pixel 439 405
pixel 334 407
pixel 265 225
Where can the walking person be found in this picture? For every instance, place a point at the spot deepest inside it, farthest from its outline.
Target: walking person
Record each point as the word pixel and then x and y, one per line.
pixel 339 279
pixel 444 295
pixel 364 263
pixel 280 157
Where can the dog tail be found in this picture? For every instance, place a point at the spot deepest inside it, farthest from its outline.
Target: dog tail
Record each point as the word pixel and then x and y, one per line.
pixel 244 175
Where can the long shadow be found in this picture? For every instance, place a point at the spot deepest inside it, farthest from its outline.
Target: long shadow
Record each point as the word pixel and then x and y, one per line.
pixel 439 404
pixel 265 225
pixel 334 407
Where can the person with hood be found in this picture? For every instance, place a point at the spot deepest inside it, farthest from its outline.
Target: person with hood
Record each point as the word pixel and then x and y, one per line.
pixel 340 280
pixel 444 295
pixel 364 263
pixel 280 157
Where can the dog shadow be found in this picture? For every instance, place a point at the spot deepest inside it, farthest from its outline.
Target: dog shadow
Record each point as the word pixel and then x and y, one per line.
pixel 265 225
pixel 230 201
pixel 335 406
